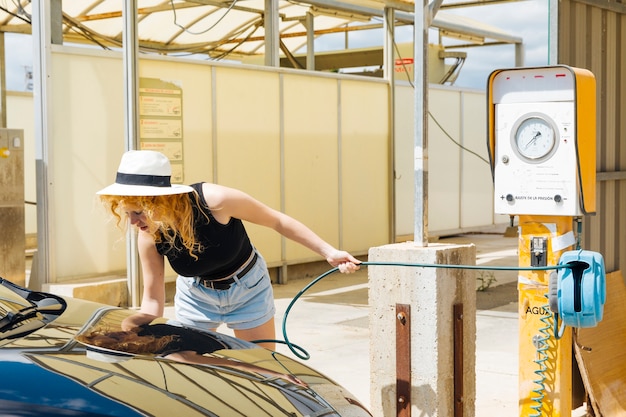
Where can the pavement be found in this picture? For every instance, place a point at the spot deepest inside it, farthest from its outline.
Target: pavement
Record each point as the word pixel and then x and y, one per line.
pixel 331 321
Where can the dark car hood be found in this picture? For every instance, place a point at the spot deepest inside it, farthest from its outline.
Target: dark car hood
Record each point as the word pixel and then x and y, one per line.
pixel 47 372
pixel 30 390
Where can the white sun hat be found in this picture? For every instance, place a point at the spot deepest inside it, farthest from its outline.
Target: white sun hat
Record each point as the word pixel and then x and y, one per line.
pixel 107 355
pixel 144 173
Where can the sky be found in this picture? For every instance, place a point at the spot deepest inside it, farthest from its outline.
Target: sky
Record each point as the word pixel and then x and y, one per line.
pixel 526 19
pixel 19 55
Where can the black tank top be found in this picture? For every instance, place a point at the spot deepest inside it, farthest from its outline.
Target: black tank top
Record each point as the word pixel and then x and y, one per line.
pixel 224 247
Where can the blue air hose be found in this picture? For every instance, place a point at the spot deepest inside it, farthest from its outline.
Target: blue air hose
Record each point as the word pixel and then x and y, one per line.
pixel 304 355
pixel 541 344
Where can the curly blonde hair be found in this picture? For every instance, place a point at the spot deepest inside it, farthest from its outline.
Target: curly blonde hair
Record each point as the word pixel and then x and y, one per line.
pixel 171 214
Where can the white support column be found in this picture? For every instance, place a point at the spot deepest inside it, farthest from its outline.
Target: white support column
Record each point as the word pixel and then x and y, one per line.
pixel 131 127
pixel 420 147
pixel 431 293
pixel 272 33
pixel 389 27
pixel 553 32
pixel 43 269
pixel 310 41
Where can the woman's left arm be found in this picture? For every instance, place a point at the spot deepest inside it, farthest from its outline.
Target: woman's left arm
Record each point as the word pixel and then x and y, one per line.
pixel 229 202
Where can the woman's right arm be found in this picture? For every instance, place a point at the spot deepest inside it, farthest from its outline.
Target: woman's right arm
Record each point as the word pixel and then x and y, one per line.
pixel 153 274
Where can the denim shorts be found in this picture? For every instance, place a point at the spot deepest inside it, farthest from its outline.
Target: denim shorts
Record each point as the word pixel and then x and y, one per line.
pixel 248 303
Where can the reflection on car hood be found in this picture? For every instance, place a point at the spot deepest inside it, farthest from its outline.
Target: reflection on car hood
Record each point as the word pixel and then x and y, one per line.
pixel 23 311
pixel 49 373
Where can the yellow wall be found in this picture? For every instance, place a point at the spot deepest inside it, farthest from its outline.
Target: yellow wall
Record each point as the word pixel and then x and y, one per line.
pixel 366 163
pixel 311 149
pixel 313 145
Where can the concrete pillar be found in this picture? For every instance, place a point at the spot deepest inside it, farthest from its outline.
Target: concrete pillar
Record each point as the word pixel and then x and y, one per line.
pixel 431 294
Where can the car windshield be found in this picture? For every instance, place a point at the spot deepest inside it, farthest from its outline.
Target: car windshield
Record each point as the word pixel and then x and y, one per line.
pixel 23 311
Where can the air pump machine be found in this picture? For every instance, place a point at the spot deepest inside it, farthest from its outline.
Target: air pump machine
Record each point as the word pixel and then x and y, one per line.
pixel 542 149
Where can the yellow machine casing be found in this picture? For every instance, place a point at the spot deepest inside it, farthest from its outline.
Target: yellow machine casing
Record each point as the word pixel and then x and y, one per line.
pixel 562 180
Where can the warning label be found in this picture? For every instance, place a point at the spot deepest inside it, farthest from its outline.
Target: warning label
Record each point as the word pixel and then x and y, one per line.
pixel 533 197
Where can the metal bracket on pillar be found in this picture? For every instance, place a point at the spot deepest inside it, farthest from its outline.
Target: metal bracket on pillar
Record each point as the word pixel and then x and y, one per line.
pixel 403 360
pixel 458 360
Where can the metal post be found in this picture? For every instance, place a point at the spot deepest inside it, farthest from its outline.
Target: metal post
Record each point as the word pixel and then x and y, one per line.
pixel 389 73
pixel 310 41
pixel 403 360
pixel 459 371
pixel 41 27
pixel 519 54
pixel 553 32
pixel 420 151
pixel 272 35
pixel 131 131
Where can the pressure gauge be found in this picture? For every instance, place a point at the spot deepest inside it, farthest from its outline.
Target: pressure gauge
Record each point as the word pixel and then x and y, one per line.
pixel 534 137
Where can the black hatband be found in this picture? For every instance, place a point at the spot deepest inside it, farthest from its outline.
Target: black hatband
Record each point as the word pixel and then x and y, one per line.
pixel 139 179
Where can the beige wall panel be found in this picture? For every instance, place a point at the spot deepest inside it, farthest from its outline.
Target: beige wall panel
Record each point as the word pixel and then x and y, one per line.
pixel 248 142
pixel 476 180
pixel 444 160
pixel 236 113
pixel 20 116
pixel 311 180
pixel 450 190
pixel 86 142
pixel 404 170
pixel 195 81
pixel 95 140
pixel 364 164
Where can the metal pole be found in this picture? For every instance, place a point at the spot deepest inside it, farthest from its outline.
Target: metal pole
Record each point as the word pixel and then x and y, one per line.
pixel 389 26
pixel 310 41
pixel 131 135
pixel 272 40
pixel 41 27
pixel 553 32
pixel 420 45
pixel 403 360
pixel 519 54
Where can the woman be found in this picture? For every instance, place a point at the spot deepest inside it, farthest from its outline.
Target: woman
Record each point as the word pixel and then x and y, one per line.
pixel 199 229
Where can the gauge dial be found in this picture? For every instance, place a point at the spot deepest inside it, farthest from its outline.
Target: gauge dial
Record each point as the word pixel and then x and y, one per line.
pixel 534 138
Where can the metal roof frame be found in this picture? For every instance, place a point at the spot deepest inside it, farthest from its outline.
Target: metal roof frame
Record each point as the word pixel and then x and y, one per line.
pixel 222 29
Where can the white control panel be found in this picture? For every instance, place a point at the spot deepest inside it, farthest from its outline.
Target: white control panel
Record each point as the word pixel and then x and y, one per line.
pixel 535 163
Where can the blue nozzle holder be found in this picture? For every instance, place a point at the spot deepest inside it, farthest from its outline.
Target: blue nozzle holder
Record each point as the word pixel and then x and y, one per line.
pixel 581 290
